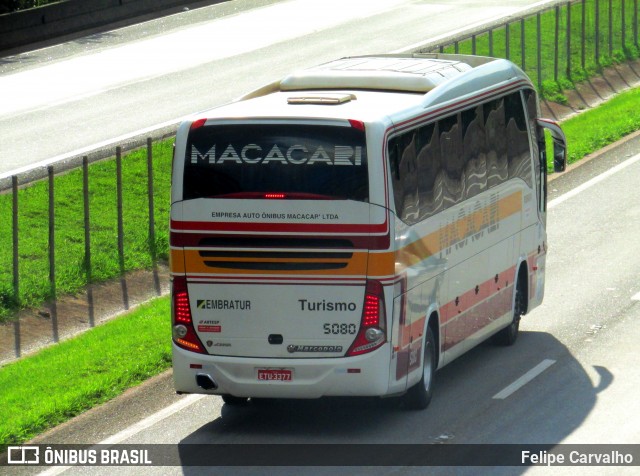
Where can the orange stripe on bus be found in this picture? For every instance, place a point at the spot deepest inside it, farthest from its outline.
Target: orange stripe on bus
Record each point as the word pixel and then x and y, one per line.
pixel 355 266
pixel 457 231
pixel 176 261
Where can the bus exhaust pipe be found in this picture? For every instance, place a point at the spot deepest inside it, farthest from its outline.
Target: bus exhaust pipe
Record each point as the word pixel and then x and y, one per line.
pixel 205 382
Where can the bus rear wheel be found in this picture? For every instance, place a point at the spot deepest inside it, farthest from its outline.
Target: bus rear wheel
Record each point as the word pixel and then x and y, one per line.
pixel 419 396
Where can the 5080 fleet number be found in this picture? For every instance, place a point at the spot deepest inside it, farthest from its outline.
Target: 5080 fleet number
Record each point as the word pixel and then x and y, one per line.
pixel 337 328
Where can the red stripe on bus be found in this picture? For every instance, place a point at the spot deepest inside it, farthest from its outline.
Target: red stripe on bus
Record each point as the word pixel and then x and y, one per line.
pixel 470 298
pixel 360 229
pixel 474 319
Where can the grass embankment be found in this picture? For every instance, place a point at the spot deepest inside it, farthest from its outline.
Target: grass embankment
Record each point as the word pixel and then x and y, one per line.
pixel 599 127
pixel 60 382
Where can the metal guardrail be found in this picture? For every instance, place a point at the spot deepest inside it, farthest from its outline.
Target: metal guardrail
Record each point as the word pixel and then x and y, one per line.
pixel 10 295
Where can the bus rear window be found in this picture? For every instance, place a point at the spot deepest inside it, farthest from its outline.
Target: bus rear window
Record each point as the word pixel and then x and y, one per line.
pixel 277 160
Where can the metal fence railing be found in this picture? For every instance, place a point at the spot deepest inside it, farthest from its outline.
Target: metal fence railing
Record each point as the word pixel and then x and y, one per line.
pixel 72 229
pixel 564 42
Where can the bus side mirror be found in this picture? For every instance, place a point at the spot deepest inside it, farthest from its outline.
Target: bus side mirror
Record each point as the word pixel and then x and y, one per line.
pixel 559 156
pixel 559 144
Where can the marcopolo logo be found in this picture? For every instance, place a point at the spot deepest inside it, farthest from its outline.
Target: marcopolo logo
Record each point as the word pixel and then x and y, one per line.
pixel 313 348
pixel 294 155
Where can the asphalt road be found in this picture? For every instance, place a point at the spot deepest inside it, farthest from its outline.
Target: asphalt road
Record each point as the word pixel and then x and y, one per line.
pixel 582 342
pixel 99 90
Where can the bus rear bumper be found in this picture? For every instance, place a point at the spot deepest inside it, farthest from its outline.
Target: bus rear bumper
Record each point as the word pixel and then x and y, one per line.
pixel 363 375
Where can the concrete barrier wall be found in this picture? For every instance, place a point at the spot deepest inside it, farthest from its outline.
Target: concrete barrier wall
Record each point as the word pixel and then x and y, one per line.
pixel 70 16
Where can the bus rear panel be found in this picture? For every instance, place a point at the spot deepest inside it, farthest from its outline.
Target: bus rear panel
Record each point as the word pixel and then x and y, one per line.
pixel 270 257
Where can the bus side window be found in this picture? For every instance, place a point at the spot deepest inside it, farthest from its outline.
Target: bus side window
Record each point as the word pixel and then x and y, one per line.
pixel 394 166
pixel 518 151
pixel 402 161
pixel 473 149
pixel 452 160
pixel 394 163
pixel 538 148
pixel 394 153
pixel 495 127
pixel 430 172
pixel 408 171
pixel 542 169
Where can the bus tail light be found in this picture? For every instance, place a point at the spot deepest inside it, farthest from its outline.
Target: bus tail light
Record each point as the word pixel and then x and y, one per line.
pixel 184 334
pixel 357 124
pixel 373 324
pixel 197 124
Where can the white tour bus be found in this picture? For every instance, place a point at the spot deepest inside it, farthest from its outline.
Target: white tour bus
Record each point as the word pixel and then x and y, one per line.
pixel 356 226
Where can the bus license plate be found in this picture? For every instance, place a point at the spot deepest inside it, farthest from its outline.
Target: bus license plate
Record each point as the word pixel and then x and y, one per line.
pixel 281 375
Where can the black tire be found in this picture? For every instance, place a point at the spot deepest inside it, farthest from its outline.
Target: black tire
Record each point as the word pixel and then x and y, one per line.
pixel 234 401
pixel 419 396
pixel 509 334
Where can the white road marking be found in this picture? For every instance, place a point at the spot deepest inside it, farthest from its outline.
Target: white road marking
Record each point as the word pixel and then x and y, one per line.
pixel 525 379
pixel 593 181
pixel 137 428
pixel 635 297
